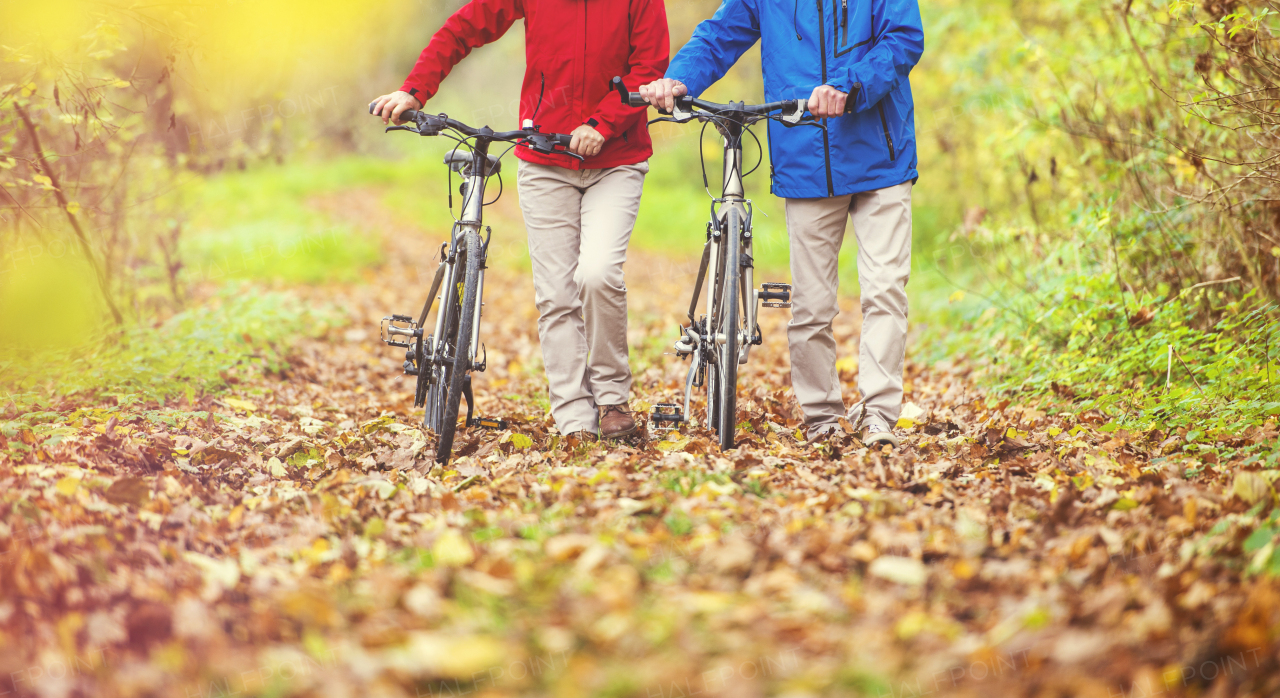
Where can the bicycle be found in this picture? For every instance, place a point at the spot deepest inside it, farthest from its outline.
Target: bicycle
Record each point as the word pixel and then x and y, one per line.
pixel 444 360
pixel 719 341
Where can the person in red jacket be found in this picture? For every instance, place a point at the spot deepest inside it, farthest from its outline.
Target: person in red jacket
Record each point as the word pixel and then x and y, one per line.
pixel 579 215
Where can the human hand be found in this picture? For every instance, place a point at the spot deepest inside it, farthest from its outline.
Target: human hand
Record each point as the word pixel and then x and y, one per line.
pixel 664 93
pixel 826 101
pixel 586 142
pixel 390 107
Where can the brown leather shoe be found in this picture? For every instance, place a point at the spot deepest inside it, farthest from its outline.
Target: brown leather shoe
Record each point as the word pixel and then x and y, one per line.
pixel 616 422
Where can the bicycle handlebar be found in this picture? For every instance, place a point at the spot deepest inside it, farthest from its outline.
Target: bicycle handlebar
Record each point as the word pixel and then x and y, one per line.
pixel 788 107
pixel 431 125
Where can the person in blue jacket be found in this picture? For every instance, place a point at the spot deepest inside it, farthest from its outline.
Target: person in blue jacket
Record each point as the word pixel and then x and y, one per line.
pixel 852 60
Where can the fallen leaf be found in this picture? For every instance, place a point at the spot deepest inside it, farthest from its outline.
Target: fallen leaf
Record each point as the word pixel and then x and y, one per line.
pixel 128 490
pixel 903 570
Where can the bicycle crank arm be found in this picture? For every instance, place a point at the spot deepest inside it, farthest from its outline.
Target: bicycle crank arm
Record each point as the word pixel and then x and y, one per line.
pixel 690 379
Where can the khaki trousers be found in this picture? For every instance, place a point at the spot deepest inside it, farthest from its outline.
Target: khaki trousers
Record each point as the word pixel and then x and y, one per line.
pixel 579 225
pixel 882 223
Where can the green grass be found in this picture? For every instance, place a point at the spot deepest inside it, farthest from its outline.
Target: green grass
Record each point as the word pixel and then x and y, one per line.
pixel 266 224
pixel 263 224
pixel 196 352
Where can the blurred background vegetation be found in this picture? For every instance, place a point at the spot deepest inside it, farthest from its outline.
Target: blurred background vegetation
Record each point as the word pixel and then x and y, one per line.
pixel 1097 217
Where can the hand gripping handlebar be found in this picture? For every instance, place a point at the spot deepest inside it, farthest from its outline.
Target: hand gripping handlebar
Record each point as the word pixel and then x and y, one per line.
pixel 791 111
pixel 425 124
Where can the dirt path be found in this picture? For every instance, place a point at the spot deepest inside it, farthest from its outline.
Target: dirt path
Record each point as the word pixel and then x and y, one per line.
pixel 304 544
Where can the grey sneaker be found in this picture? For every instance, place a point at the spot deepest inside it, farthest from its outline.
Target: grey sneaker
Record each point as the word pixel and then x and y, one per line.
pixel 875 434
pixel 820 433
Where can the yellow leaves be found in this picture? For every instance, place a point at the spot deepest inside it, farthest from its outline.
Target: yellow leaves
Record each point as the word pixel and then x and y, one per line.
pixel 73 207
pixel 239 405
pixel 1182 169
pixel 911 625
pixel 1250 487
pixel 68 485
pixel 1275 251
pixel 311 605
pixel 28 89
pixel 1124 504
pixel 675 441
pixel 956 297
pixel 911 415
pixel 1083 481
pixel 847 366
pixel 452 550
pixel 437 655
pixel 276 468
pixel 44 182
pixel 520 441
pixel 119 83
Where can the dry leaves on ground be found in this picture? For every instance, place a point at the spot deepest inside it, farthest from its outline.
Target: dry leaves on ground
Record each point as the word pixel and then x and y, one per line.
pixel 301 542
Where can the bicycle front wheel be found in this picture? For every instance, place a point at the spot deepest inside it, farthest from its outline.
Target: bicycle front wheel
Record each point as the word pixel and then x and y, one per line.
pixel 460 369
pixel 728 318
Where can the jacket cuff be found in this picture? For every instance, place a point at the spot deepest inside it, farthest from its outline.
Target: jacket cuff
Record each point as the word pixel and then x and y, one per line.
pixel 694 90
pixel 601 127
pixel 416 92
pixel 841 80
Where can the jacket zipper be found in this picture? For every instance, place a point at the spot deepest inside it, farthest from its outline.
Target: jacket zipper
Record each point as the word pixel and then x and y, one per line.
pixel 887 138
pixel 582 67
pixel 826 139
pixel 837 25
pixel 840 20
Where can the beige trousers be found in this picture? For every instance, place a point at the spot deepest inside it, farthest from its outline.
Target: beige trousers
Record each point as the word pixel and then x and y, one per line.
pixel 882 223
pixel 579 225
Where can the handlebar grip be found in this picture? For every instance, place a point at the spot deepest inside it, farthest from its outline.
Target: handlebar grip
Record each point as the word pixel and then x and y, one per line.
pixel 631 99
pixel 409 115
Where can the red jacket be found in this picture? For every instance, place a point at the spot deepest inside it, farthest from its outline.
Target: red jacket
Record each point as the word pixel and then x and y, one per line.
pixel 573 48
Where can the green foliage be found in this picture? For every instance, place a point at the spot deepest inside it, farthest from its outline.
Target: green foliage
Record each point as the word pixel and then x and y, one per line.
pixel 196 352
pixel 1262 547
pixel 1205 358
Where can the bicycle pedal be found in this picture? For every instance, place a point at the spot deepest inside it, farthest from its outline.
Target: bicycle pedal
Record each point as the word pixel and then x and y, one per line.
pixel 666 417
pixel 399 326
pixel 488 423
pixel 775 295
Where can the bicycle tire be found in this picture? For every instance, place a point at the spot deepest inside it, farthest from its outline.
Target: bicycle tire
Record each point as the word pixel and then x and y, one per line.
pixel 462 358
pixel 441 367
pixel 730 310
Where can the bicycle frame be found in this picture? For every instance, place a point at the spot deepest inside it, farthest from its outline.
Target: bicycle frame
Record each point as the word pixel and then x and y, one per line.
pixel 472 220
pixel 733 197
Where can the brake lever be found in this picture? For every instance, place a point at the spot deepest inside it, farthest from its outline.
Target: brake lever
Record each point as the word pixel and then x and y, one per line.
pixel 797 116
pixel 401 128
pixel 540 144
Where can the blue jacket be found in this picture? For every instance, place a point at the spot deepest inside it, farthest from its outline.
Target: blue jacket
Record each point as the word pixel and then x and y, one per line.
pixel 872 44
